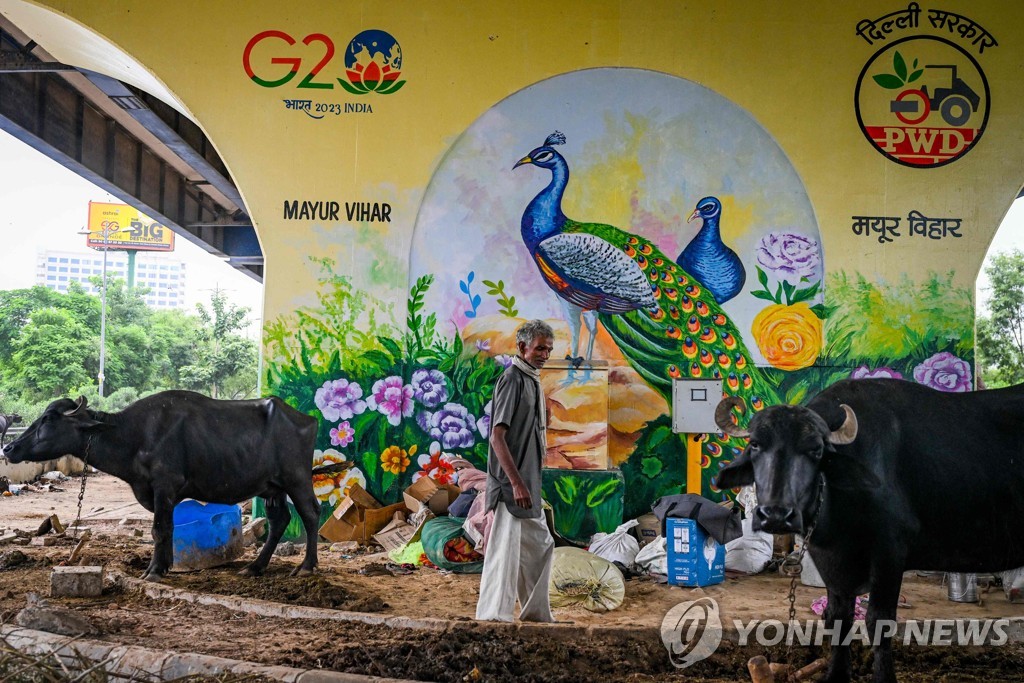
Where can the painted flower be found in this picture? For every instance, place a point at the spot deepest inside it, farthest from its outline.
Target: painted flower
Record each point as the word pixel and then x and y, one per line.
pixel 504 360
pixel 392 399
pixel 437 465
pixel 789 337
pixel 423 419
pixel 483 424
pixel 395 459
pixel 483 344
pixel 331 488
pixel 789 255
pixel 429 387
pixel 342 435
pixel 864 372
pixel 944 372
pixel 453 426
pixel 339 399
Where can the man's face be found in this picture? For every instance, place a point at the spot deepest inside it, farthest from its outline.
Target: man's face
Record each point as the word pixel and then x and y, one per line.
pixel 537 351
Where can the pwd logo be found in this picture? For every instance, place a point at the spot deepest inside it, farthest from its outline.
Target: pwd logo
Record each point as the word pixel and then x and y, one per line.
pixel 691 631
pixel 922 101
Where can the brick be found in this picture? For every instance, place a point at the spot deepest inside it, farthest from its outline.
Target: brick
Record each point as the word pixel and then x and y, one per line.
pixel 76 582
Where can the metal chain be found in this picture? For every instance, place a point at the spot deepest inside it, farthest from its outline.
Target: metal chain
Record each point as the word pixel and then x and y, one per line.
pixel 81 491
pixel 794 571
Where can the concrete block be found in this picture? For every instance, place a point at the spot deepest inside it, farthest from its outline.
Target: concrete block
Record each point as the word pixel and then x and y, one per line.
pixel 43 540
pixel 8 537
pixel 76 582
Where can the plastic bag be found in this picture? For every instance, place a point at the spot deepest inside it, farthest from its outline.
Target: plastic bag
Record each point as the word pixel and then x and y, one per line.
pixel 582 578
pixel 750 552
pixel 437 534
pixel 1013 584
pixel 618 546
pixel 653 557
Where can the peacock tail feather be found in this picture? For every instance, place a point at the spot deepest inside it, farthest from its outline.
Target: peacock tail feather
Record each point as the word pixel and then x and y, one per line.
pixel 686 336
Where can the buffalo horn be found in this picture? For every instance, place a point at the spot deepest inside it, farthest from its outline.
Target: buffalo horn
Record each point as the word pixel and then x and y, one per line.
pixel 79 407
pixel 723 417
pixel 848 431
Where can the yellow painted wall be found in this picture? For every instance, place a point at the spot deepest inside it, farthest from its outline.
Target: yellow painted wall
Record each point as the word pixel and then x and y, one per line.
pixel 792 65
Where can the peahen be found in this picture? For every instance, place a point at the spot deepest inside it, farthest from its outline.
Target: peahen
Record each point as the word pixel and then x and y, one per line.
pixel 662 319
pixel 708 259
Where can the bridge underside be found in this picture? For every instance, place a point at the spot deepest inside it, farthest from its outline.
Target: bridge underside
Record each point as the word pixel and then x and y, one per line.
pixel 128 143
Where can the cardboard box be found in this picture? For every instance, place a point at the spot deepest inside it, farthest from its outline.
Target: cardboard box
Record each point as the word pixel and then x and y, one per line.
pixel 428 492
pixel 397 533
pixel 647 529
pixel 358 517
pixel 694 558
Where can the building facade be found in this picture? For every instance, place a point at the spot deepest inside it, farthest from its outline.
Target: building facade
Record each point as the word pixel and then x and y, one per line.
pixel 162 276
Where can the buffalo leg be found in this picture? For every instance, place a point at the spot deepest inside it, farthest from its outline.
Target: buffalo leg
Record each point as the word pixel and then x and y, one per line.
pixel 278 518
pixel 881 621
pixel 839 616
pixel 163 537
pixel 308 507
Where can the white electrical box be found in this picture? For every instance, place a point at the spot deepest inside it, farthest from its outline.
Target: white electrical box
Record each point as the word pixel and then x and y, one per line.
pixel 693 405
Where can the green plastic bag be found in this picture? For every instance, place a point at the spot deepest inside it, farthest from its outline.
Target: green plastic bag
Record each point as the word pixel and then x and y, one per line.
pixel 437 532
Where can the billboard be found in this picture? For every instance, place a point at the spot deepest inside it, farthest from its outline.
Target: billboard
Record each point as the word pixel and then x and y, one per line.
pixel 126 228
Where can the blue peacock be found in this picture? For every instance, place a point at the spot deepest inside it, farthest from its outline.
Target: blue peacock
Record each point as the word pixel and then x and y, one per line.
pixel 664 321
pixel 708 259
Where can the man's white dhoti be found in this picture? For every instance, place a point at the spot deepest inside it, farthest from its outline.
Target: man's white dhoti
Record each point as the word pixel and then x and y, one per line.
pixel 517 565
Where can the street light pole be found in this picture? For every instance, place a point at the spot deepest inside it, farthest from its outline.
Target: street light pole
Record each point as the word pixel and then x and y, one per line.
pixel 103 313
pixel 106 231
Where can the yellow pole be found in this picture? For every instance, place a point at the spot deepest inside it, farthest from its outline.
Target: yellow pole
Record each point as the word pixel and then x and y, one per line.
pixel 693 444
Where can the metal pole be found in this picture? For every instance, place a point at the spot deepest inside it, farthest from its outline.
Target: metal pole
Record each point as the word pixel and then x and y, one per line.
pixel 103 313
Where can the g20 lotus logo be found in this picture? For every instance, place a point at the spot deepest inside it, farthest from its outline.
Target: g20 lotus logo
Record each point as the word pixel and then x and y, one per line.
pixel 691 631
pixel 372 62
pixel 367 74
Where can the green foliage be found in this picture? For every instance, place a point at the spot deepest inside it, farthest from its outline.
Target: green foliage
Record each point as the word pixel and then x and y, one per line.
pixel 897 80
pixel 905 322
pixel 365 358
pixel 50 343
pixel 1001 333
pixel 505 302
pixel 312 338
pixel 225 362
pixel 584 502
pixel 785 293
pixel 656 467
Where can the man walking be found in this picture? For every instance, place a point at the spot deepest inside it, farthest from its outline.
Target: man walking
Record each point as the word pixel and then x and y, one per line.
pixel 517 563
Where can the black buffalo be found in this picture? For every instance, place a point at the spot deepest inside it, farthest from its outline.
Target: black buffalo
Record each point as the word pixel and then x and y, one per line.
pixel 179 444
pixel 887 476
pixel 5 423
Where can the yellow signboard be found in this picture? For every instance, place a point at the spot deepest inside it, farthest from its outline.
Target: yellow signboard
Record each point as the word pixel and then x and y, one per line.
pixel 124 227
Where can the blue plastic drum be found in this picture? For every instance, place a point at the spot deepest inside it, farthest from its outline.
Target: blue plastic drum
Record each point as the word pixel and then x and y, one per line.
pixel 206 535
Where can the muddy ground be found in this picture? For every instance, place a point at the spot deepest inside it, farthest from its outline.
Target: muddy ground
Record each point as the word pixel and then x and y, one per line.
pixel 468 651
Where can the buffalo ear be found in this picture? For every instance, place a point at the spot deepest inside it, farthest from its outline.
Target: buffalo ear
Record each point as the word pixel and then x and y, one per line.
pixel 740 472
pixel 846 472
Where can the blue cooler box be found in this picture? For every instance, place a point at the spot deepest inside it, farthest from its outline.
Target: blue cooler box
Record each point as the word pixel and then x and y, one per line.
pixel 694 558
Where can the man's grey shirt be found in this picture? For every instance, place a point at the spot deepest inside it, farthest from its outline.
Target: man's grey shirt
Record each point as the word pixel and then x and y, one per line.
pixel 516 403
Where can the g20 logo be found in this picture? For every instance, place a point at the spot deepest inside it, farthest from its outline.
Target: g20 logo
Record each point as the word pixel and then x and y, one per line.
pixel 373 61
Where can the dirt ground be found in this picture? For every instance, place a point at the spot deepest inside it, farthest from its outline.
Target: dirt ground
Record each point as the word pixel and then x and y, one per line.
pixel 633 652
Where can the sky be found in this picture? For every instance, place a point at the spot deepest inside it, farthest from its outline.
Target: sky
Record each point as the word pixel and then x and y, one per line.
pixel 44 205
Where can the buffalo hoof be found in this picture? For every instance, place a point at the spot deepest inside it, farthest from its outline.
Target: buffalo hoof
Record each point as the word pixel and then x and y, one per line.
pixel 153 576
pixel 301 571
pixel 250 571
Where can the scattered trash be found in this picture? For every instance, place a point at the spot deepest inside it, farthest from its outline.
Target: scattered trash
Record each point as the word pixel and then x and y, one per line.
pixel 285 549
pixel 5 484
pixel 345 547
pixel 12 558
pixel 374 569
pixel 53 476
pixel 253 531
pixel 860 610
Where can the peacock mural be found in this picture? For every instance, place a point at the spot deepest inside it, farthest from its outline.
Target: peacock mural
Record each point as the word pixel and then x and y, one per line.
pixel 402 389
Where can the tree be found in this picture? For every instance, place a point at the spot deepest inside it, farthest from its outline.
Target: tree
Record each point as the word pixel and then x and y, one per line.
pixel 1000 337
pixel 49 354
pixel 225 362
